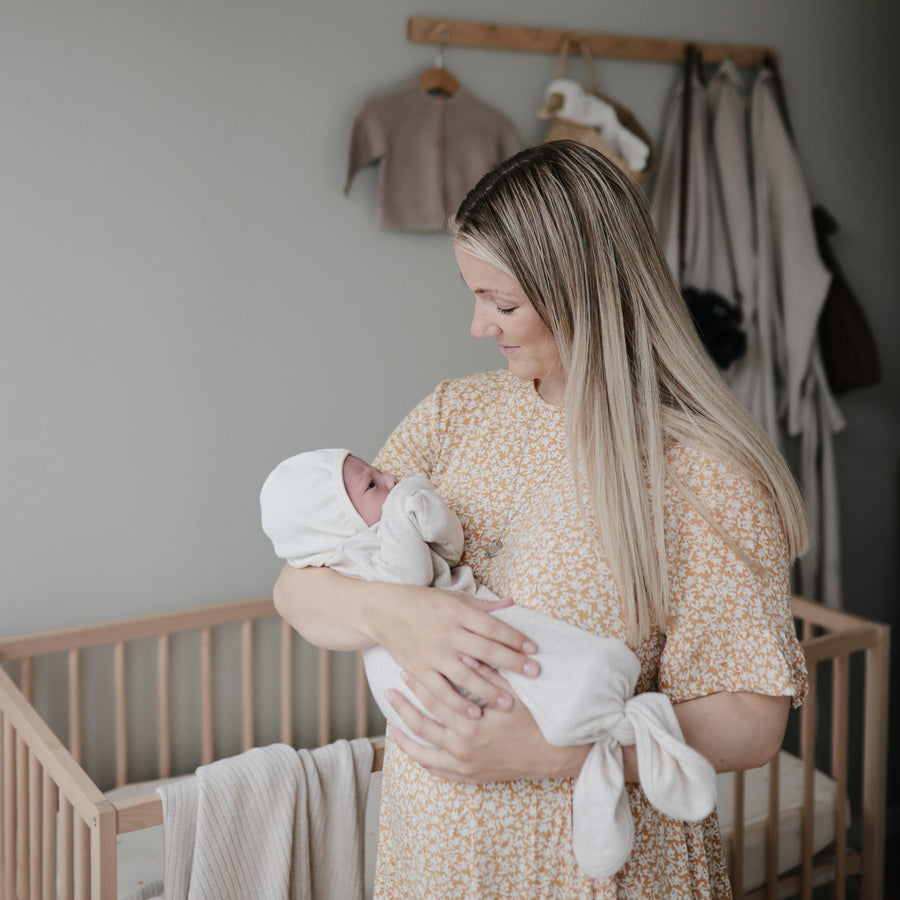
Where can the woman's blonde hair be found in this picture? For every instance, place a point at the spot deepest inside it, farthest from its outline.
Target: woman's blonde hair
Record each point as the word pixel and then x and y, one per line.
pixel 576 234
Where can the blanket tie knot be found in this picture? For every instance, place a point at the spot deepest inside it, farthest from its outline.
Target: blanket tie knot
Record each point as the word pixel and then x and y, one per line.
pixel 623 730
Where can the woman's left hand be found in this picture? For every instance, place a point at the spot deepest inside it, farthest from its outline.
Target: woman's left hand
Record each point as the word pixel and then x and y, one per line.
pixel 499 745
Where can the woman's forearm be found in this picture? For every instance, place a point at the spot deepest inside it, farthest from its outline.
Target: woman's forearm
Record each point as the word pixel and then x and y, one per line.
pixel 732 730
pixel 433 633
pixel 329 610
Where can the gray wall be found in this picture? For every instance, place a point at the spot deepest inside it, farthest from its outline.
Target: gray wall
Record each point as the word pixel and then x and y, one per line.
pixel 188 297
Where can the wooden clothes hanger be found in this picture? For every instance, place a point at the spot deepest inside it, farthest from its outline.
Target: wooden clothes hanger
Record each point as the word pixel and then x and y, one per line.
pixel 437 79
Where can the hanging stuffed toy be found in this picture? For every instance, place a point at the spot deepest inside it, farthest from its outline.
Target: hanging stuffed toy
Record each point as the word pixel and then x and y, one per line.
pixel 589 117
pixel 569 100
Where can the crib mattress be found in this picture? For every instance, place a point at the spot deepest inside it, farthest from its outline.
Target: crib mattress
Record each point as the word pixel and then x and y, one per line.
pixel 139 856
pixel 756 811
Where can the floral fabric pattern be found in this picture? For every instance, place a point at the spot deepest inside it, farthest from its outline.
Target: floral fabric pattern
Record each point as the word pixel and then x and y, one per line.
pixel 495 450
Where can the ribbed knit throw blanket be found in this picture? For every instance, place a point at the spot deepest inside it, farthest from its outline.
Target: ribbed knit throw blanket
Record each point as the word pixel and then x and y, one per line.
pixel 273 823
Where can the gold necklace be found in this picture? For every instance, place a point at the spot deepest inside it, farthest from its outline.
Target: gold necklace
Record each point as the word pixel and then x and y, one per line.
pixel 495 545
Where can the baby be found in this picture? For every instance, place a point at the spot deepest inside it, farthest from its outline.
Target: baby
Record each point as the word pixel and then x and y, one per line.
pixel 328 507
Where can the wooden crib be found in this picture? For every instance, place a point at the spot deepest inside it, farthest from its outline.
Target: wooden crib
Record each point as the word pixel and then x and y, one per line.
pixel 59 832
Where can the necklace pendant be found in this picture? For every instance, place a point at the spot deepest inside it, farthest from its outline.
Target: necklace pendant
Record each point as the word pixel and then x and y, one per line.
pixel 493 548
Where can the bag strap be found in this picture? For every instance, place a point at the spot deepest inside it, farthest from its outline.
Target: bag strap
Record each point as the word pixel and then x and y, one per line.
pixel 686 102
pixel 771 63
pixel 589 65
pixel 726 234
pixel 588 61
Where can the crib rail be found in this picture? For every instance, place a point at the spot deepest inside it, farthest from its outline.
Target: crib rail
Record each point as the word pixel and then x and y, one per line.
pixel 830 640
pixel 41 785
pixel 44 782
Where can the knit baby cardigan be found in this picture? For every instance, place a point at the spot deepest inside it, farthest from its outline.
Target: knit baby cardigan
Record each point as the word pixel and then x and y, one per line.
pixel 432 151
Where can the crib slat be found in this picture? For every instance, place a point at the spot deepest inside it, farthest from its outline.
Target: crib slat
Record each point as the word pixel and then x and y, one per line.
pixel 103 855
pixel 808 755
pixel 206 689
pixel 36 826
pixel 839 737
pixel 772 835
pixel 22 818
pixel 737 835
pixel 75 705
pixel 164 707
pixel 121 691
pixel 48 838
pixel 66 850
pixel 82 860
pixel 32 886
pixel 247 685
pixel 324 696
pixel 362 699
pixel 807 630
pixel 875 749
pixel 287 684
pixel 9 809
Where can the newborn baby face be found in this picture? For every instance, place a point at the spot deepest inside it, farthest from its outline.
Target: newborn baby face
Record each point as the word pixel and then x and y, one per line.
pixel 367 488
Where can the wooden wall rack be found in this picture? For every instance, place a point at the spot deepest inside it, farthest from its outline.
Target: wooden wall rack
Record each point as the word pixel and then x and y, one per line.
pixel 447 32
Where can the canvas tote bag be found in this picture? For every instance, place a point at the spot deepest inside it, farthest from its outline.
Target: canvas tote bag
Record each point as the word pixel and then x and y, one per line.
pixel 565 129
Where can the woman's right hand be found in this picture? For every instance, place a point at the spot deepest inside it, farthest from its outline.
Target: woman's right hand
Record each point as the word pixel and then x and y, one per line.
pixel 438 636
pixel 441 637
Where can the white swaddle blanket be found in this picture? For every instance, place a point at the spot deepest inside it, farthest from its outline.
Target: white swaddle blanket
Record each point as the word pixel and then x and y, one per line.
pixel 584 694
pixel 272 823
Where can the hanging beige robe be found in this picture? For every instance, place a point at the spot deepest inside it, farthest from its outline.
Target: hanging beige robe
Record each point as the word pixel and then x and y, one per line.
pixel 665 202
pixel 792 283
pixel 760 201
pixel 752 377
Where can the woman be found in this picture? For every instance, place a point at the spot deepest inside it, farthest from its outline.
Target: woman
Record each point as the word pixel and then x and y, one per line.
pixel 608 478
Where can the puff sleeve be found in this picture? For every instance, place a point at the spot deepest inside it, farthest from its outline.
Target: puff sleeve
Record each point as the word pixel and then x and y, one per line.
pixel 731 627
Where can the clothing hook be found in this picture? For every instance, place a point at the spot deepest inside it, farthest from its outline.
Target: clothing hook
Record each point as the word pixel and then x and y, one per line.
pixel 445 43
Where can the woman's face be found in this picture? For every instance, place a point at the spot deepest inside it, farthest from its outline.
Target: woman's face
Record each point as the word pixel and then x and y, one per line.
pixel 503 312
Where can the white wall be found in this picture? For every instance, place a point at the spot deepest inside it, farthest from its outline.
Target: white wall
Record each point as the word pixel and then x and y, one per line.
pixel 188 296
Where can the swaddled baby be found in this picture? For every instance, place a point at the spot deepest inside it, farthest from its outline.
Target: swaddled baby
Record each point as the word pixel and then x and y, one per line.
pixel 328 507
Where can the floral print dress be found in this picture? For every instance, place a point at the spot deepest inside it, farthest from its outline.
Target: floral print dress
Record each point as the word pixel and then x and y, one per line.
pixel 493 447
